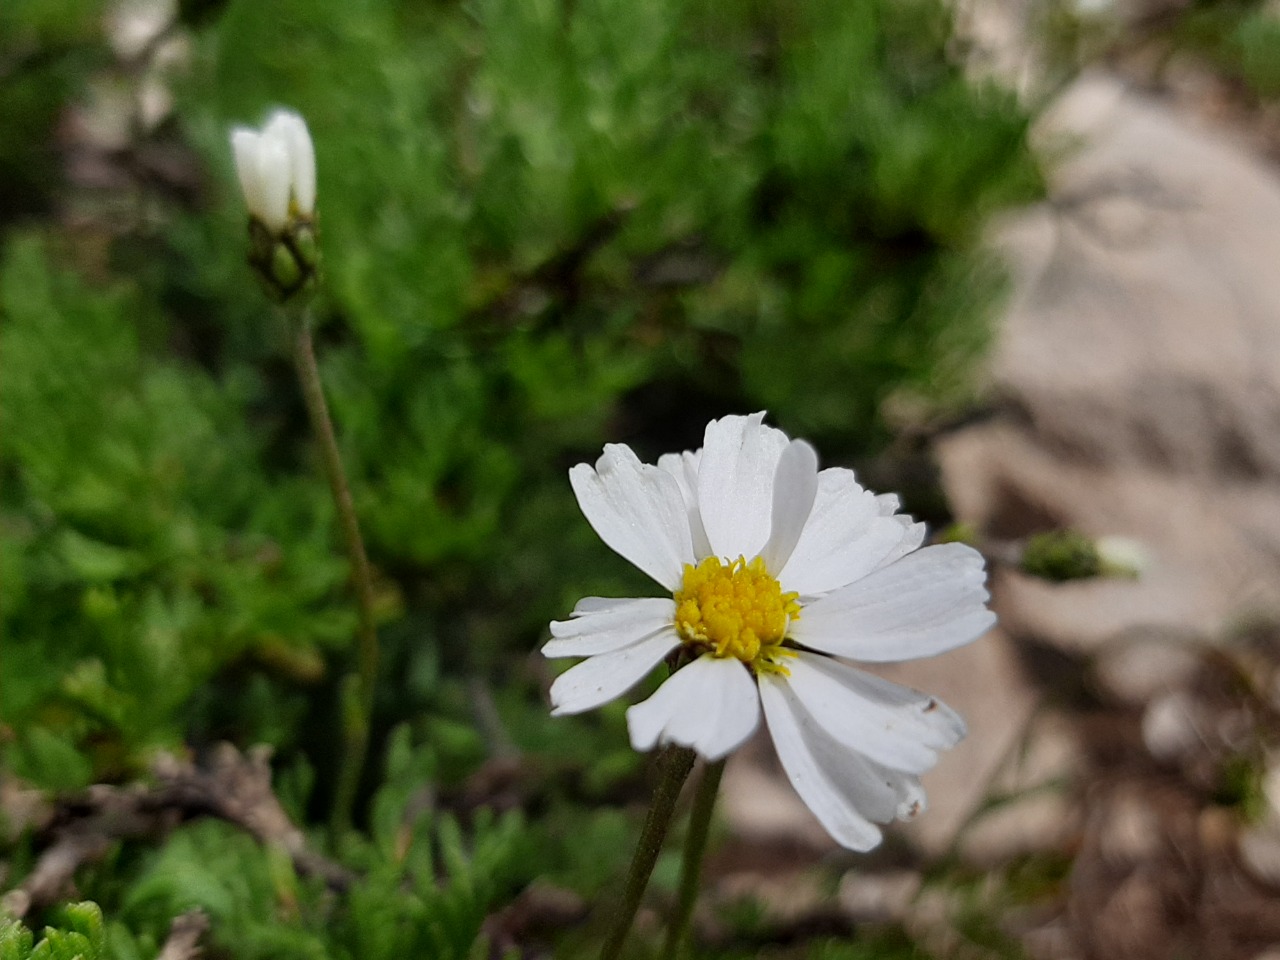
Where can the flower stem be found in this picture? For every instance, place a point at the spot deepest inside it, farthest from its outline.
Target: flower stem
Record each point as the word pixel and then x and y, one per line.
pixel 356 718
pixel 695 845
pixel 676 762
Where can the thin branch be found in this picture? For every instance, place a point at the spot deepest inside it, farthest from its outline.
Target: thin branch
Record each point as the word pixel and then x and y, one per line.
pixel 185 932
pixel 355 722
pixel 675 764
pixel 234 787
pixel 695 846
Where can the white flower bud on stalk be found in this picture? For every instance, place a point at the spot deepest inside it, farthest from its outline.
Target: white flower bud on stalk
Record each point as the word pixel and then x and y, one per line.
pixel 1122 556
pixel 277 170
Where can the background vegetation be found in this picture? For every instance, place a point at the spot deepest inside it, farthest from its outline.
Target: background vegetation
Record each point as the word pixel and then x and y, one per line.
pixel 545 225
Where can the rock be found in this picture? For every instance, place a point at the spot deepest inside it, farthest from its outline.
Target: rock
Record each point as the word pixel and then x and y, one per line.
pixel 1138 379
pixel 1139 368
pixel 878 897
pixel 1051 941
pixel 1140 665
pixel 1139 875
pixel 133 25
pixel 1217 828
pixel 1130 831
pixel 1259 848
pixel 1173 726
pixel 1039 811
pixel 784 897
pixel 759 805
pixel 1028 824
pixel 986 683
pixel 1134 917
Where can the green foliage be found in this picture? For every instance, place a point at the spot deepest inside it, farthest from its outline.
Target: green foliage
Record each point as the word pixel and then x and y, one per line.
pixel 142 549
pixel 250 893
pixel 1258 40
pixel 543 226
pixel 44 49
pixel 425 884
pixel 562 215
pixel 79 934
pixel 1238 38
pixel 1060 555
pixel 796 219
pixel 1241 785
pixel 888 945
pixel 401 909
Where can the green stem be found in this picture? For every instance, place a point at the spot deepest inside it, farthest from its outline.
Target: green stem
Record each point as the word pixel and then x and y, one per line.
pixel 356 722
pixel 676 763
pixel 695 845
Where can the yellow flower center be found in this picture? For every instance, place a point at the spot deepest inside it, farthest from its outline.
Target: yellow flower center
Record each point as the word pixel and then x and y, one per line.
pixel 736 610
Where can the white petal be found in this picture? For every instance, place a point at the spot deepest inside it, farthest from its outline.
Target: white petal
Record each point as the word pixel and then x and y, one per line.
pixel 245 145
pixel 600 614
pixel 638 511
pixel 710 705
pixel 602 630
pixel 595 644
pixel 888 504
pixel 924 604
pixel 735 483
pixel 854 782
pixel 911 798
pixel 881 794
pixel 845 538
pixel 684 467
pixel 273 182
pixel 893 725
pixel 597 680
pixel 795 486
pixel 600 604
pixel 810 771
pixel 912 537
pixel 291 129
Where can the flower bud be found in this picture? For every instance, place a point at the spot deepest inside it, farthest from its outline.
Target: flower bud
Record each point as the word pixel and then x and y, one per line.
pixel 277 170
pixel 1060 555
pixel 1122 556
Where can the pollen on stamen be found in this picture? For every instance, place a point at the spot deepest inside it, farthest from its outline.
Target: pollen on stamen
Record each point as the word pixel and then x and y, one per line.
pixel 736 610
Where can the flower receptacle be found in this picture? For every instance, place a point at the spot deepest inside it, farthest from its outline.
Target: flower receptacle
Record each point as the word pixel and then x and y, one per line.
pixel 287 263
pixel 276 167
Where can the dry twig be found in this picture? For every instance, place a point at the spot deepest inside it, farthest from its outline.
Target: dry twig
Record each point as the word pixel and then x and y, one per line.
pixel 185 932
pixel 234 787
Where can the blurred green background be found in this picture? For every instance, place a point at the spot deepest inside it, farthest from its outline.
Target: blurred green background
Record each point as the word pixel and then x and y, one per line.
pixel 546 225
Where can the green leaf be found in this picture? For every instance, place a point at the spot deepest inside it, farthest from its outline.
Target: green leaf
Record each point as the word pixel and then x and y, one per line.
pixel 78 935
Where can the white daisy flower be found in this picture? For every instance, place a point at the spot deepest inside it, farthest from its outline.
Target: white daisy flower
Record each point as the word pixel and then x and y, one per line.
pixel 775 569
pixel 277 169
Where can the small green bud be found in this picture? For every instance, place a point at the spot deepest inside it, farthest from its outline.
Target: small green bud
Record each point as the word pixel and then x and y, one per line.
pixel 1061 555
pixel 304 245
pixel 286 264
pixel 286 272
